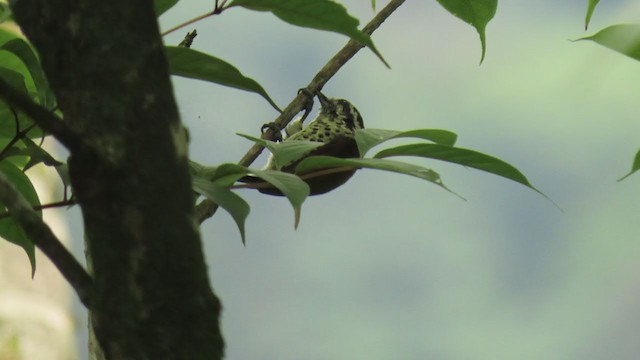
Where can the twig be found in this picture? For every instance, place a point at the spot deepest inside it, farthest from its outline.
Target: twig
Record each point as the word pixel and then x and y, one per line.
pixel 61 203
pixel 19 133
pixel 42 117
pixel 45 240
pixel 321 78
pixel 216 10
pixel 188 39
pixel 207 208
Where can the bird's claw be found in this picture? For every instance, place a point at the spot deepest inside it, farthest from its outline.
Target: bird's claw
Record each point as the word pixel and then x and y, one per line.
pixel 308 105
pixel 277 131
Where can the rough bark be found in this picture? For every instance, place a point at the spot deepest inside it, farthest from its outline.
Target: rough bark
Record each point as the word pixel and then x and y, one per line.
pixel 151 297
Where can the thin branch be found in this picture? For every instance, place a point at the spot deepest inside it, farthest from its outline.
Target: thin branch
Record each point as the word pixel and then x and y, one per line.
pixel 321 78
pixel 188 39
pixel 41 116
pixel 16 118
pixel 45 240
pixel 216 10
pixel 20 134
pixel 207 208
pixel 16 137
pixel 57 204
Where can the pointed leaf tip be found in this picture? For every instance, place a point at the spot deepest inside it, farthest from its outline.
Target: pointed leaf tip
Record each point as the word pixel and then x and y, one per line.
pixel 477 13
pixel 10 230
pixel 237 207
pixel 296 216
pixel 623 38
pixel 590 8
pixel 465 157
pixel 634 167
pixel 318 14
pixel 193 64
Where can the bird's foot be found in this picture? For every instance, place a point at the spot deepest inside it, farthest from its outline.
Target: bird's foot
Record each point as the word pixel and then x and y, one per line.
pixel 274 128
pixel 308 105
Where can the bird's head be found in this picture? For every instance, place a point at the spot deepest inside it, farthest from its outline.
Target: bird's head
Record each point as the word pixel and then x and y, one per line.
pixel 341 108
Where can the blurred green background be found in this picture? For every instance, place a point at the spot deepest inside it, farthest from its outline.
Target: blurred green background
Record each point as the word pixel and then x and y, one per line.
pixel 390 267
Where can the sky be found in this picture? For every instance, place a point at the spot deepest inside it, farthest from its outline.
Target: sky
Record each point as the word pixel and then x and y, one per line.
pixel 391 267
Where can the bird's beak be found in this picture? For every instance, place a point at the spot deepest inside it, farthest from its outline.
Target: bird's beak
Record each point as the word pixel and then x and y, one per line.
pixel 324 101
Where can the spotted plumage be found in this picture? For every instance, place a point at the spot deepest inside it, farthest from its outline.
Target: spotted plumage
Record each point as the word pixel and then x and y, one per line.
pixel 338 119
pixel 335 127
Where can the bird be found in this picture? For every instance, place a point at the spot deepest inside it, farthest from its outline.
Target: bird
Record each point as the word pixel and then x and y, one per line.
pixel 335 127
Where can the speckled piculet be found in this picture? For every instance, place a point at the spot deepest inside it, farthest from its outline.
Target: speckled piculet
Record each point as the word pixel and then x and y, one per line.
pixel 335 126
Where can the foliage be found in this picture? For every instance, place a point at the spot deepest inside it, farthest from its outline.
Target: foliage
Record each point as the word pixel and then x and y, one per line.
pixel 18 153
pixel 193 64
pixel 21 140
pixel 624 39
pixel 591 7
pixel 478 13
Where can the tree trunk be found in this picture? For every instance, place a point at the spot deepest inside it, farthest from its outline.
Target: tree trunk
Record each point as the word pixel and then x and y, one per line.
pixel 151 297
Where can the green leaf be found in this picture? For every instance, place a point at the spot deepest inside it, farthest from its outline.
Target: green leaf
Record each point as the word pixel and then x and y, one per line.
pixel 9 230
pixel 37 155
pixel 225 174
pixel 23 51
pixel 477 13
pixel 460 156
pixel 286 152
pixel 202 171
pixel 6 35
pixel 14 79
pixel 196 169
pixel 315 14
pixel 7 118
pixel 161 6
pixel 373 5
pixel 590 8
pixel 11 61
pixel 623 38
pixel 368 138
pixel 12 232
pixel 227 199
pixel 8 123
pixel 322 162
pixel 193 64
pixel 635 167
pixel 294 188
pixel 5 12
pixel 21 182
pixel 13 153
